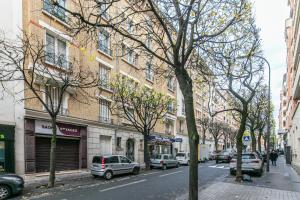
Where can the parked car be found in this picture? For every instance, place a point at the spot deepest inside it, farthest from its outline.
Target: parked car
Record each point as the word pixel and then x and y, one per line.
pixel 164 161
pixel 251 163
pixel 224 156
pixel 10 184
pixel 108 166
pixel 183 158
pixel 214 154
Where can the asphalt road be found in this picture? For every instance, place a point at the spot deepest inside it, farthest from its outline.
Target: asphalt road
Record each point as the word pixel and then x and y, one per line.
pixel 154 184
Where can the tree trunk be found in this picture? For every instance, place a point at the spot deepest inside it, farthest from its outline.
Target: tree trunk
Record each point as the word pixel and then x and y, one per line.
pixel 52 154
pixel 204 137
pixel 239 146
pixel 216 145
pixel 146 152
pixel 186 87
pixel 253 139
pixel 259 140
pixel 265 143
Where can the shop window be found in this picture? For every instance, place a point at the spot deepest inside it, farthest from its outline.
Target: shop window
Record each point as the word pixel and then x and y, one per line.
pixel 119 139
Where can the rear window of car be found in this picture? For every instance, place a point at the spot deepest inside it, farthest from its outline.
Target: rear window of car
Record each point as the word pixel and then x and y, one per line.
pixel 97 159
pixel 180 155
pixel 158 157
pixel 166 157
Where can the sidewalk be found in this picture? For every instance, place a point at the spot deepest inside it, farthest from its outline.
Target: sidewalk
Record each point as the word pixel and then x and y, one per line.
pixel 281 183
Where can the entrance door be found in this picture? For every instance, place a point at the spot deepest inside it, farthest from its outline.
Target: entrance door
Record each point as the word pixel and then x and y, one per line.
pixel 130 149
pixel 105 145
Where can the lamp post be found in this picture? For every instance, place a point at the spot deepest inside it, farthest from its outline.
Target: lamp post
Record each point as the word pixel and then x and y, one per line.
pixel 269 115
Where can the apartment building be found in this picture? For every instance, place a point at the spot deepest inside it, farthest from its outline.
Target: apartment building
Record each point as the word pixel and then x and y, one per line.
pixel 290 112
pixel 84 130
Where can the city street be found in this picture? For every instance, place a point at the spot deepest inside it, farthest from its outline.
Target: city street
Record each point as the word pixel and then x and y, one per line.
pixel 154 184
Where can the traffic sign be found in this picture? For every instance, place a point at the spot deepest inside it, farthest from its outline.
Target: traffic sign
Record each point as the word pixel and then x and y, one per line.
pixel 246 138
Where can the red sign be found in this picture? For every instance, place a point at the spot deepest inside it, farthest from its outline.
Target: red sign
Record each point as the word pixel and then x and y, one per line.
pixel 44 127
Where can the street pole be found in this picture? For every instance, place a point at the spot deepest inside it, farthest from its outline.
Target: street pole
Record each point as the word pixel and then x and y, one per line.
pixel 269 114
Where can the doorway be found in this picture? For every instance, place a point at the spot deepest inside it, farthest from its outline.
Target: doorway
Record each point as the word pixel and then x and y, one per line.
pixel 130 149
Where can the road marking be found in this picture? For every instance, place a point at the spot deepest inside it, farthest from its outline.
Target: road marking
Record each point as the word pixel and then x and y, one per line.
pixel 219 167
pixel 150 173
pixel 170 174
pixel 124 185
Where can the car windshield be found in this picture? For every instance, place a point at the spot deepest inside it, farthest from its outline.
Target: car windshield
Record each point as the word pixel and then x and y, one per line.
pixel 180 155
pixel 158 157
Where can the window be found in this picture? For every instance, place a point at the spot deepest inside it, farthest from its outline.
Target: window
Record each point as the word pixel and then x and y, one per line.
pixel 113 159
pixel 119 139
pixel 104 74
pixel 141 144
pixel 130 56
pixel 130 25
pixel 170 83
pixel 183 107
pixel 55 10
pixel 170 107
pixel 148 41
pixel 53 98
pixel 104 42
pixel 104 9
pixel 130 113
pixel 168 128
pixel 56 51
pixel 149 72
pixel 124 159
pixel 104 111
pixel 166 157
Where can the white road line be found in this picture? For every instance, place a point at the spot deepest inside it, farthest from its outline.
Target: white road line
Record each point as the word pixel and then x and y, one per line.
pixel 124 185
pixel 220 167
pixel 170 174
pixel 150 173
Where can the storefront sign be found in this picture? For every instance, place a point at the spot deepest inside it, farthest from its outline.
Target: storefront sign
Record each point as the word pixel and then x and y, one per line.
pixel 159 139
pixel 44 127
pixel 177 139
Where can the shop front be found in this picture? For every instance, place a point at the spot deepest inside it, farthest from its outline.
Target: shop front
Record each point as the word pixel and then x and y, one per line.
pixel 7 155
pixel 71 146
pixel 159 145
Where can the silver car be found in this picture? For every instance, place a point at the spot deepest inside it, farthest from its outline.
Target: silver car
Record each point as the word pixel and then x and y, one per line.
pixel 108 166
pixel 164 161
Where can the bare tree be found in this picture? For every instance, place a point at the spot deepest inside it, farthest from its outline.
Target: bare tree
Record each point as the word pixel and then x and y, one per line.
pixel 204 123
pixel 256 109
pixel 176 29
pixel 43 74
pixel 240 73
pixel 140 106
pixel 216 130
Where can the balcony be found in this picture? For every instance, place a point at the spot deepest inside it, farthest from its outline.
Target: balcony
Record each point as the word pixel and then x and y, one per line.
pixel 59 61
pixel 106 86
pixel 296 84
pixel 54 10
pixel 105 120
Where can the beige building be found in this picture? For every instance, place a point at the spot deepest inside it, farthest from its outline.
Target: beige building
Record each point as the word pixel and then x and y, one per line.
pixel 289 115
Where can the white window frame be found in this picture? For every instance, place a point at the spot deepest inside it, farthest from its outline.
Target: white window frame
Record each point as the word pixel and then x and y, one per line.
pixel 104 111
pixel 56 39
pixel 149 72
pixel 104 36
pixel 171 84
pixel 104 73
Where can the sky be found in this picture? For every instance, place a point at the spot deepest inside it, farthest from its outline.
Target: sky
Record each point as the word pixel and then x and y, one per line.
pixel 270 18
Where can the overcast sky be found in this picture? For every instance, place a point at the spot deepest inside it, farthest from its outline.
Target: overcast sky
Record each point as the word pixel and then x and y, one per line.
pixel 270 17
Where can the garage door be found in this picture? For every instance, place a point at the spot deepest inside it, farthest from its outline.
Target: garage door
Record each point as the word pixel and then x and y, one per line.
pixel 67 154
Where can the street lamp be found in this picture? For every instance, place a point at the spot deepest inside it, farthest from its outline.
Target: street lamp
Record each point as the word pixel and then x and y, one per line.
pixel 269 114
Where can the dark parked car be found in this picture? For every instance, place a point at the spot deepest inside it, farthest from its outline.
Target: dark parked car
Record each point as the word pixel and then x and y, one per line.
pixel 10 184
pixel 224 156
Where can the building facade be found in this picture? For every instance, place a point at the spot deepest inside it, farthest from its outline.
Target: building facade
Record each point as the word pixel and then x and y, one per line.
pixel 290 94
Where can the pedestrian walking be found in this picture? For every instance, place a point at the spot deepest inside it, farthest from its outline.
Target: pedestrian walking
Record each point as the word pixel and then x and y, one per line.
pixel 273 157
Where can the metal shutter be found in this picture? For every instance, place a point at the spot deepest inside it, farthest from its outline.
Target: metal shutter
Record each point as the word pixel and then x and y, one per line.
pixel 67 154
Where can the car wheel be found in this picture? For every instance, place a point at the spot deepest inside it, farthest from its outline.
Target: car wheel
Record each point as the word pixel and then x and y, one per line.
pixel 151 167
pixel 108 175
pixel 136 171
pixel 164 167
pixel 4 192
pixel 177 165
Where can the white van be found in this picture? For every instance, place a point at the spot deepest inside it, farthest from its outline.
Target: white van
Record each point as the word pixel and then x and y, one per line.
pixel 183 158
